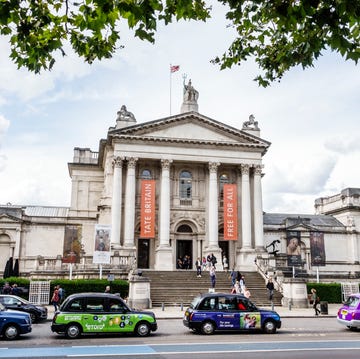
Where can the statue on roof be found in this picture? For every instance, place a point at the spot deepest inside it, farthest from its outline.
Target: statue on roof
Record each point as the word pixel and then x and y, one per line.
pixel 125 115
pixel 251 123
pixel 190 94
pixel 190 97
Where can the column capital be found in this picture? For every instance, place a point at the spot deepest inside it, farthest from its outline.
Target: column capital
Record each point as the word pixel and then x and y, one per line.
pixel 132 162
pixel 166 163
pixel 245 169
pixel 117 161
pixel 213 166
pixel 258 169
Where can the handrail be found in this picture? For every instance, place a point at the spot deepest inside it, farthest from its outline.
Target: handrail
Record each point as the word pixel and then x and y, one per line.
pixel 262 272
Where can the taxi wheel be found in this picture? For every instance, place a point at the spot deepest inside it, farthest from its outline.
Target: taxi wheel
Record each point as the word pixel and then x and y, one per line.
pixel 73 331
pixel 269 327
pixel 207 328
pixel 142 329
pixel 11 332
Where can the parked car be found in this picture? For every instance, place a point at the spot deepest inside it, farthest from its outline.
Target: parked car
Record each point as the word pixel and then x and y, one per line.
pixel 13 323
pixel 37 312
pixel 349 313
pixel 228 312
pixel 88 313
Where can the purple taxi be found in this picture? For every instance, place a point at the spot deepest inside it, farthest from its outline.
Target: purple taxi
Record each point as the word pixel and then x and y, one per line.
pixel 349 313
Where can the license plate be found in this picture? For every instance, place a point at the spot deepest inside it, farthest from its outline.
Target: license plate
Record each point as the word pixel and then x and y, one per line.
pixel 344 312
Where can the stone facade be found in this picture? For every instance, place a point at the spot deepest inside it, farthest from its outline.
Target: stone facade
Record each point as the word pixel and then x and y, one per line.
pixel 190 157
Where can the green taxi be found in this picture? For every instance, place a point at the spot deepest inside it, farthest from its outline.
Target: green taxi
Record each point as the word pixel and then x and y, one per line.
pixel 90 313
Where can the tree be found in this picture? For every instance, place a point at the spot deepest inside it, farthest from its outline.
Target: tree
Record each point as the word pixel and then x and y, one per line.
pixel 279 34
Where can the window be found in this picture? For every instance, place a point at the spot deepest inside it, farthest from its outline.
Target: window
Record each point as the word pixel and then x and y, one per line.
pixel 146 174
pixel 185 185
pixel 224 179
pixel 208 304
pixel 184 228
pixel 94 305
pixel 114 305
pixel 75 306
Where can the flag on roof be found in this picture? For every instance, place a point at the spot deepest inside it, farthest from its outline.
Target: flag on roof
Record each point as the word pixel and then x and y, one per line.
pixel 174 68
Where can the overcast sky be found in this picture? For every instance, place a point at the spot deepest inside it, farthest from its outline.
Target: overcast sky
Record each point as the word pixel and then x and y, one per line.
pixel 311 117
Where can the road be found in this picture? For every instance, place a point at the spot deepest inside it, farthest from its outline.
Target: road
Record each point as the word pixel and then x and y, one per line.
pixel 298 338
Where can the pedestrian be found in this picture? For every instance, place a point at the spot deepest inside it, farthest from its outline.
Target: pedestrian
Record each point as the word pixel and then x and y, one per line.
pixel 225 264
pixel 198 265
pixel 61 294
pixel 213 276
pixel 15 290
pixel 270 288
pixel 213 260
pixel 247 293
pixel 316 300
pixel 203 263
pixel 242 284
pixel 55 298
pixel 236 288
pixel 233 276
pixel 7 288
pixel 107 289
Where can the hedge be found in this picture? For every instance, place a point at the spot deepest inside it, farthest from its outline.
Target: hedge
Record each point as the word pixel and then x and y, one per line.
pixel 75 286
pixel 328 292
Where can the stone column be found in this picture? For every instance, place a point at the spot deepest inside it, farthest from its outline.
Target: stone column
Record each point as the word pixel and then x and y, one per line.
pixel 213 227
pixel 246 207
pixel 164 232
pixel 116 202
pixel 163 259
pixel 258 210
pixel 129 220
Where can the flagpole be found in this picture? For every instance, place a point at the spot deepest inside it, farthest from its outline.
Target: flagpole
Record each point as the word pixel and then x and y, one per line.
pixel 170 88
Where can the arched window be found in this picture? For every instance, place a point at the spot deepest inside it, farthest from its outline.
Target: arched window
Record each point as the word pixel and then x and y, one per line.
pixel 146 174
pixel 224 179
pixel 184 228
pixel 185 185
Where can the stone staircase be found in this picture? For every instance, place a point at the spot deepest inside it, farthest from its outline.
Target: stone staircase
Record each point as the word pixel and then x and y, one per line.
pixel 176 288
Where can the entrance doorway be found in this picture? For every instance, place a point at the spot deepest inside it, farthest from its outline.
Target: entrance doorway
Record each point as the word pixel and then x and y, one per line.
pixel 224 246
pixel 143 253
pixel 184 248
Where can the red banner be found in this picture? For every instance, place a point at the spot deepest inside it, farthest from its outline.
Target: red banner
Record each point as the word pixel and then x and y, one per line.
pixel 230 212
pixel 147 220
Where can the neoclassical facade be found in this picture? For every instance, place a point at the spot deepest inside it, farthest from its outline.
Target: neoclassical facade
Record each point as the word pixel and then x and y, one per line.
pixel 184 185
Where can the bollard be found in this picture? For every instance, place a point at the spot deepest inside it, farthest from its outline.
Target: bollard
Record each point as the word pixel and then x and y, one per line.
pixel 272 305
pixel 289 305
pixel 162 306
pixel 181 307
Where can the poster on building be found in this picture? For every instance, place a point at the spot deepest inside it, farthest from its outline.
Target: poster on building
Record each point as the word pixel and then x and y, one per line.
pixel 147 218
pixel 317 249
pixel 230 212
pixel 102 248
pixel 293 248
pixel 72 244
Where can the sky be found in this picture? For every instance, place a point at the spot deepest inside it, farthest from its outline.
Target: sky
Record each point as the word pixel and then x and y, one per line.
pixel 311 117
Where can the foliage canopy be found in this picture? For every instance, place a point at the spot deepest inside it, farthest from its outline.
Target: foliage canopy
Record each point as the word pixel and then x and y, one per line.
pixel 279 34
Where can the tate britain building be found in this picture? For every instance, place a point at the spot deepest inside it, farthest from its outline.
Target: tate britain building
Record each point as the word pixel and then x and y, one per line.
pixel 184 185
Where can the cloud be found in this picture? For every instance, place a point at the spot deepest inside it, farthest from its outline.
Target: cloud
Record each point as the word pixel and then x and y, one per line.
pixel 306 175
pixel 4 125
pixel 343 144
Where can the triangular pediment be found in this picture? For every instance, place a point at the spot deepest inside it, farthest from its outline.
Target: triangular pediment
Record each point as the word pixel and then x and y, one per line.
pixel 6 218
pixel 190 128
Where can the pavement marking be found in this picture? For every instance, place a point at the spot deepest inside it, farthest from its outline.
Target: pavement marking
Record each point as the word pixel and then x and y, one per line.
pixel 178 348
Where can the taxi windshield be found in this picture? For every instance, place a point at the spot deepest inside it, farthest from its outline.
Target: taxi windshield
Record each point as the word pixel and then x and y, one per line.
pixel 352 301
pixel 195 302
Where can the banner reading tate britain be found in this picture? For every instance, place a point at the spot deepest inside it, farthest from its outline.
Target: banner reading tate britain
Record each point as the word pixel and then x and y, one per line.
pixel 230 212
pixel 147 220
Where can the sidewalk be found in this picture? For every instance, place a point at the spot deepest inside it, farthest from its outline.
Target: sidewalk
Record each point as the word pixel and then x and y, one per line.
pixel 284 312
